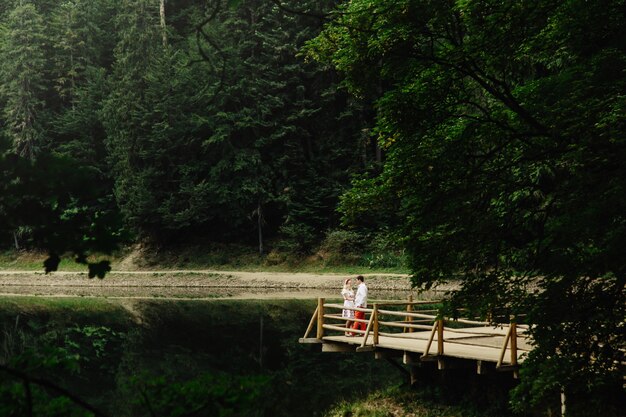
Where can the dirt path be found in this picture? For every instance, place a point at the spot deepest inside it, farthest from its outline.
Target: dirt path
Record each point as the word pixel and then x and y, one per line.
pixel 198 278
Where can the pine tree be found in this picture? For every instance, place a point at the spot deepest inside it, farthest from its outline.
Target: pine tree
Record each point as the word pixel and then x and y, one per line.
pixel 151 124
pixel 22 73
pixel 280 147
pixel 80 35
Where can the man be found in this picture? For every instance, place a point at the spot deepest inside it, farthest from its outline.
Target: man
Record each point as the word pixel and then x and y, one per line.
pixel 360 301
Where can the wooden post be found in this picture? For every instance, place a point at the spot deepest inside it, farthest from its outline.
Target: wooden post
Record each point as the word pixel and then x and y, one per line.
pixel 514 346
pixel 430 339
pixel 563 407
pixel 440 337
pixel 480 367
pixel 311 323
pixel 413 375
pixel 320 318
pixel 409 309
pixel 367 330
pixel 375 313
pixel 513 341
pixel 503 349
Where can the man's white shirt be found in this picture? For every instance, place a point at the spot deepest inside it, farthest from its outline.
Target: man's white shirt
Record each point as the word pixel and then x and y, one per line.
pixel 360 300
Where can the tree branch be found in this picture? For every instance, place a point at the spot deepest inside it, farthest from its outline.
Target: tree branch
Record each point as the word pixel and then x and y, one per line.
pixel 281 6
pixel 53 387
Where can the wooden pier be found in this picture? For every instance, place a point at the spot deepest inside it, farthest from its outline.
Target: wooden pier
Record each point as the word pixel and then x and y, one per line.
pixel 416 331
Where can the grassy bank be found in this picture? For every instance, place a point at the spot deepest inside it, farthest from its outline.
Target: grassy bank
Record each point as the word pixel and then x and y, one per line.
pixel 219 257
pixel 394 402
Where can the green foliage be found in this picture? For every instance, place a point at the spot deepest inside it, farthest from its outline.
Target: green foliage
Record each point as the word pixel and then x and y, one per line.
pixel 22 74
pixel 220 395
pixel 95 347
pixel 343 242
pixel 58 200
pixel 54 197
pixel 34 360
pixel 209 136
pixel 503 129
pixel 385 250
pixel 198 150
pixel 400 402
pixel 173 363
pixel 342 247
pixel 297 238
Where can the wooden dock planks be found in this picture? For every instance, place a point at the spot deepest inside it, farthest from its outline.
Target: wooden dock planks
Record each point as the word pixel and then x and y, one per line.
pixel 465 345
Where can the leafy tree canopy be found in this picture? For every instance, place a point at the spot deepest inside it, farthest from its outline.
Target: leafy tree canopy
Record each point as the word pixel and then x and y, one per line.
pixel 506 138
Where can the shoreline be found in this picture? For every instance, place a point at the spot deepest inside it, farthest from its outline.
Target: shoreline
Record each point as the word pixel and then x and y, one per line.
pixel 200 284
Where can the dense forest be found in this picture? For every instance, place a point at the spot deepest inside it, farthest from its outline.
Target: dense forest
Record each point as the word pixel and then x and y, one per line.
pixel 193 119
pixel 487 138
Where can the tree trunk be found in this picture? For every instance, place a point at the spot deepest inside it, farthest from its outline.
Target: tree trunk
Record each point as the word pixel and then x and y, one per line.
pixel 259 212
pixel 15 241
pixel 163 26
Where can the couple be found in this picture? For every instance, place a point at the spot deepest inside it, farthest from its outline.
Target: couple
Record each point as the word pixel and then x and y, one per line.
pixel 350 300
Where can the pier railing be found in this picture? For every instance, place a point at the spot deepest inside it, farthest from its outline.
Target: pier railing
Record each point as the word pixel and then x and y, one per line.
pixel 399 319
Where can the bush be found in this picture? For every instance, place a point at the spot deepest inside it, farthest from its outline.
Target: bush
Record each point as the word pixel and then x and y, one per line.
pixel 341 247
pixel 343 242
pixel 298 238
pixel 384 251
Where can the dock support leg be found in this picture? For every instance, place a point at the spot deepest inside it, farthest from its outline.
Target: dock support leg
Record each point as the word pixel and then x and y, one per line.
pixel 399 367
pixel 482 368
pixel 413 375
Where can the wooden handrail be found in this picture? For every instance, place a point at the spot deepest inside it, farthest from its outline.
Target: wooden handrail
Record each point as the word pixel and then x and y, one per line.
pixel 343 329
pixel 420 321
pixel 472 332
pixel 404 325
pixel 406 336
pixel 405 314
pixel 342 307
pixel 474 322
pixel 407 303
pixel 429 321
pixel 337 317
pixel 353 319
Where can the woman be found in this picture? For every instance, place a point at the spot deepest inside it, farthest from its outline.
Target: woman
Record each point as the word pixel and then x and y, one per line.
pixel 348 301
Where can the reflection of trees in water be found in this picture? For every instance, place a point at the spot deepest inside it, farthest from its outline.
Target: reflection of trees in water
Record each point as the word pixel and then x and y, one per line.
pixel 199 358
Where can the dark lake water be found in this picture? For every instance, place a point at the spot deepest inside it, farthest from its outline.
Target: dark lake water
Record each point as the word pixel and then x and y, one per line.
pixel 130 357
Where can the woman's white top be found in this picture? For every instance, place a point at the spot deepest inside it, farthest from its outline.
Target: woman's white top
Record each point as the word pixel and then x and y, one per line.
pixel 346 294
